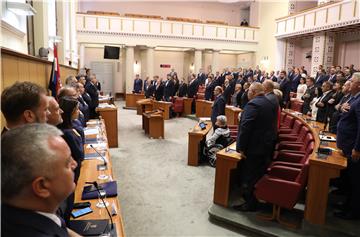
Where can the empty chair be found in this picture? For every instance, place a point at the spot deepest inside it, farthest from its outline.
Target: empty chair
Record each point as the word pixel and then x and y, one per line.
pixel 287 122
pixel 178 105
pixel 294 130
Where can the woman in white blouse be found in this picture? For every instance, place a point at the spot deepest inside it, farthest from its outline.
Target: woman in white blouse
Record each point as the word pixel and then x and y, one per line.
pixel 301 88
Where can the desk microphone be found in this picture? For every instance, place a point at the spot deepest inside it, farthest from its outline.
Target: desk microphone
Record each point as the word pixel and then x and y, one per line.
pixel 103 201
pixel 104 165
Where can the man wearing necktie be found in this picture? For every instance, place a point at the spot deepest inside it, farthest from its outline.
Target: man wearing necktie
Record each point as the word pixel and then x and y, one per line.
pixel 348 140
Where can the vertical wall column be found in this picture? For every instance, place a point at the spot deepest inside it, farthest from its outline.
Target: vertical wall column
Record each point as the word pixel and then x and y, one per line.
pixel 150 62
pixel 41 37
pixel 74 56
pixel 129 64
pixel 329 50
pixel 280 55
pixel 290 54
pixel 61 9
pixel 82 56
pixel 197 60
pixel 317 52
pixel 215 61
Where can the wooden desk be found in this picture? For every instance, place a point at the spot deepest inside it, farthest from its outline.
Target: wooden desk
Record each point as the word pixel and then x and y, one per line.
pixel 163 105
pixel 187 105
pixel 144 105
pixel 203 108
pixel 320 173
pixel 89 173
pixel 196 135
pixel 106 99
pixel 110 117
pixel 225 163
pixel 153 124
pixel 232 114
pixel 130 99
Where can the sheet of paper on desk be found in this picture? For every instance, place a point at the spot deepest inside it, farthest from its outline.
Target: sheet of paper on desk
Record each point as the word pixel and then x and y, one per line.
pixel 93 122
pixel 96 158
pixel 97 145
pixel 91 131
pixel 104 105
pixel 327 138
pixel 204 119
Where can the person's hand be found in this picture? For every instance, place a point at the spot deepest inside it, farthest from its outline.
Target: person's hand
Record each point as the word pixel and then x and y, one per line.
pixel 331 101
pixel 337 107
pixel 320 104
pixel 355 155
pixel 306 96
pixel 242 154
pixel 345 107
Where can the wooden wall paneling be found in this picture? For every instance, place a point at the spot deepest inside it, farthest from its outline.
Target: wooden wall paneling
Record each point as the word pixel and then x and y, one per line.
pixel 10 70
pixel 23 69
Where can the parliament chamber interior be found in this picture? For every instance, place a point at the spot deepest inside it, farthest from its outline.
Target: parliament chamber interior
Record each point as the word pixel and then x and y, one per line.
pixel 180 118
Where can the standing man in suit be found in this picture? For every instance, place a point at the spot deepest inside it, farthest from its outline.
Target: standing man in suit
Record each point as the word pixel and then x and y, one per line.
pixel 159 89
pixel 332 76
pixel 309 95
pixel 94 95
pixel 229 90
pixel 169 88
pixel 35 182
pixel 347 74
pixel 209 88
pixel 273 77
pixel 337 109
pixel 348 140
pixel 218 107
pixel 183 88
pixel 149 89
pixel 22 103
pixel 285 87
pixel 137 84
pixel 322 104
pixel 201 77
pixel 255 141
pixel 173 73
pixel 320 78
pixel 295 81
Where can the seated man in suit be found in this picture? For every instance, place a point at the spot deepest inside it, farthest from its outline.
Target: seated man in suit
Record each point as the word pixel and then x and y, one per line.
pixel 137 84
pixel 348 140
pixel 35 182
pixel 255 141
pixel 92 90
pixel 22 103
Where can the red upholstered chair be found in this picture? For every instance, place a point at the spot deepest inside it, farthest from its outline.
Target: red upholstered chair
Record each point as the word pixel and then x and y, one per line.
pixel 178 105
pixel 296 105
pixel 287 122
pixel 278 181
pixel 294 130
pixel 294 137
pixel 200 95
pixel 296 145
pixel 233 131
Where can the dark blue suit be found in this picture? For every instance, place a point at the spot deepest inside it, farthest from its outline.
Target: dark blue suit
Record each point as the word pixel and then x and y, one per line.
pixel 201 77
pixel 348 138
pixel 320 80
pixel 137 85
pixel 295 82
pixel 218 108
pixel 94 95
pixel 192 88
pixel 285 87
pixel 256 139
pixel 169 88
pixel 209 90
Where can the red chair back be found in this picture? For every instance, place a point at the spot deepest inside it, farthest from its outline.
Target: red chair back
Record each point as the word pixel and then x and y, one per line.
pixel 288 121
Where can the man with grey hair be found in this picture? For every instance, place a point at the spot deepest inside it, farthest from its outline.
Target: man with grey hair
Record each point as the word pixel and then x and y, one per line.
pixel 348 140
pixel 255 141
pixel 92 90
pixel 70 81
pixel 222 131
pixel 37 174
pixel 54 118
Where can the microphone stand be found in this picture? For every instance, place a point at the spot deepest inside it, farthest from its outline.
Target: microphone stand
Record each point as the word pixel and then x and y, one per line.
pixel 100 166
pixel 104 203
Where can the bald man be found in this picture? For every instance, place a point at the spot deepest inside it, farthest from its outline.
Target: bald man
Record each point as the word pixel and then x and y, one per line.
pixel 255 141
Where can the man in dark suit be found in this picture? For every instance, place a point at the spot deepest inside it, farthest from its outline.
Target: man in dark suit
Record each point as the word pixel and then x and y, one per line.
pixel 94 95
pixel 348 140
pixel 83 106
pixel 22 103
pixel 229 90
pixel 320 78
pixel 35 182
pixel 149 89
pixel 193 87
pixel 291 73
pixel 218 107
pixel 332 76
pixel 138 83
pixel 159 89
pixel 272 76
pixel 255 141
pixel 295 81
pixel 285 87
pixel 209 88
pixel 322 104
pixel 183 88
pixel 169 87
pixel 337 109
pixel 201 77
pixel 309 95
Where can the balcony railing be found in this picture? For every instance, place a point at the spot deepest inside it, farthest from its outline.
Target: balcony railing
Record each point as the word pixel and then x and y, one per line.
pixel 338 14
pixel 117 25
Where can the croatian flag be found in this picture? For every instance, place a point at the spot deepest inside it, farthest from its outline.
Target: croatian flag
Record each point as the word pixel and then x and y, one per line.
pixel 55 82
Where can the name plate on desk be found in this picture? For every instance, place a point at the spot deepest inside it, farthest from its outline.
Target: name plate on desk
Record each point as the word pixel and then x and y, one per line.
pixel 327 138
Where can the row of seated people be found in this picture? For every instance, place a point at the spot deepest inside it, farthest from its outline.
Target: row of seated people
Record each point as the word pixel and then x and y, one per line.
pixel 27 103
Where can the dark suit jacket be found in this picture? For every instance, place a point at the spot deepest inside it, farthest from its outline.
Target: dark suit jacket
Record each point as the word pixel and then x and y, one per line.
pixel 84 108
pixel 244 99
pixel 258 127
pixel 193 88
pixel 273 78
pixel 306 104
pixel 285 87
pixel 218 108
pixel 159 92
pixel 348 134
pixel 93 93
pixel 201 78
pixel 229 90
pixel 332 78
pixel 320 80
pixel 20 222
pixel 87 98
pixel 323 112
pixel 183 90
pixel 137 85
pixel 149 91
pixel 295 82
pixel 176 87
pixel 209 90
pixel 169 88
